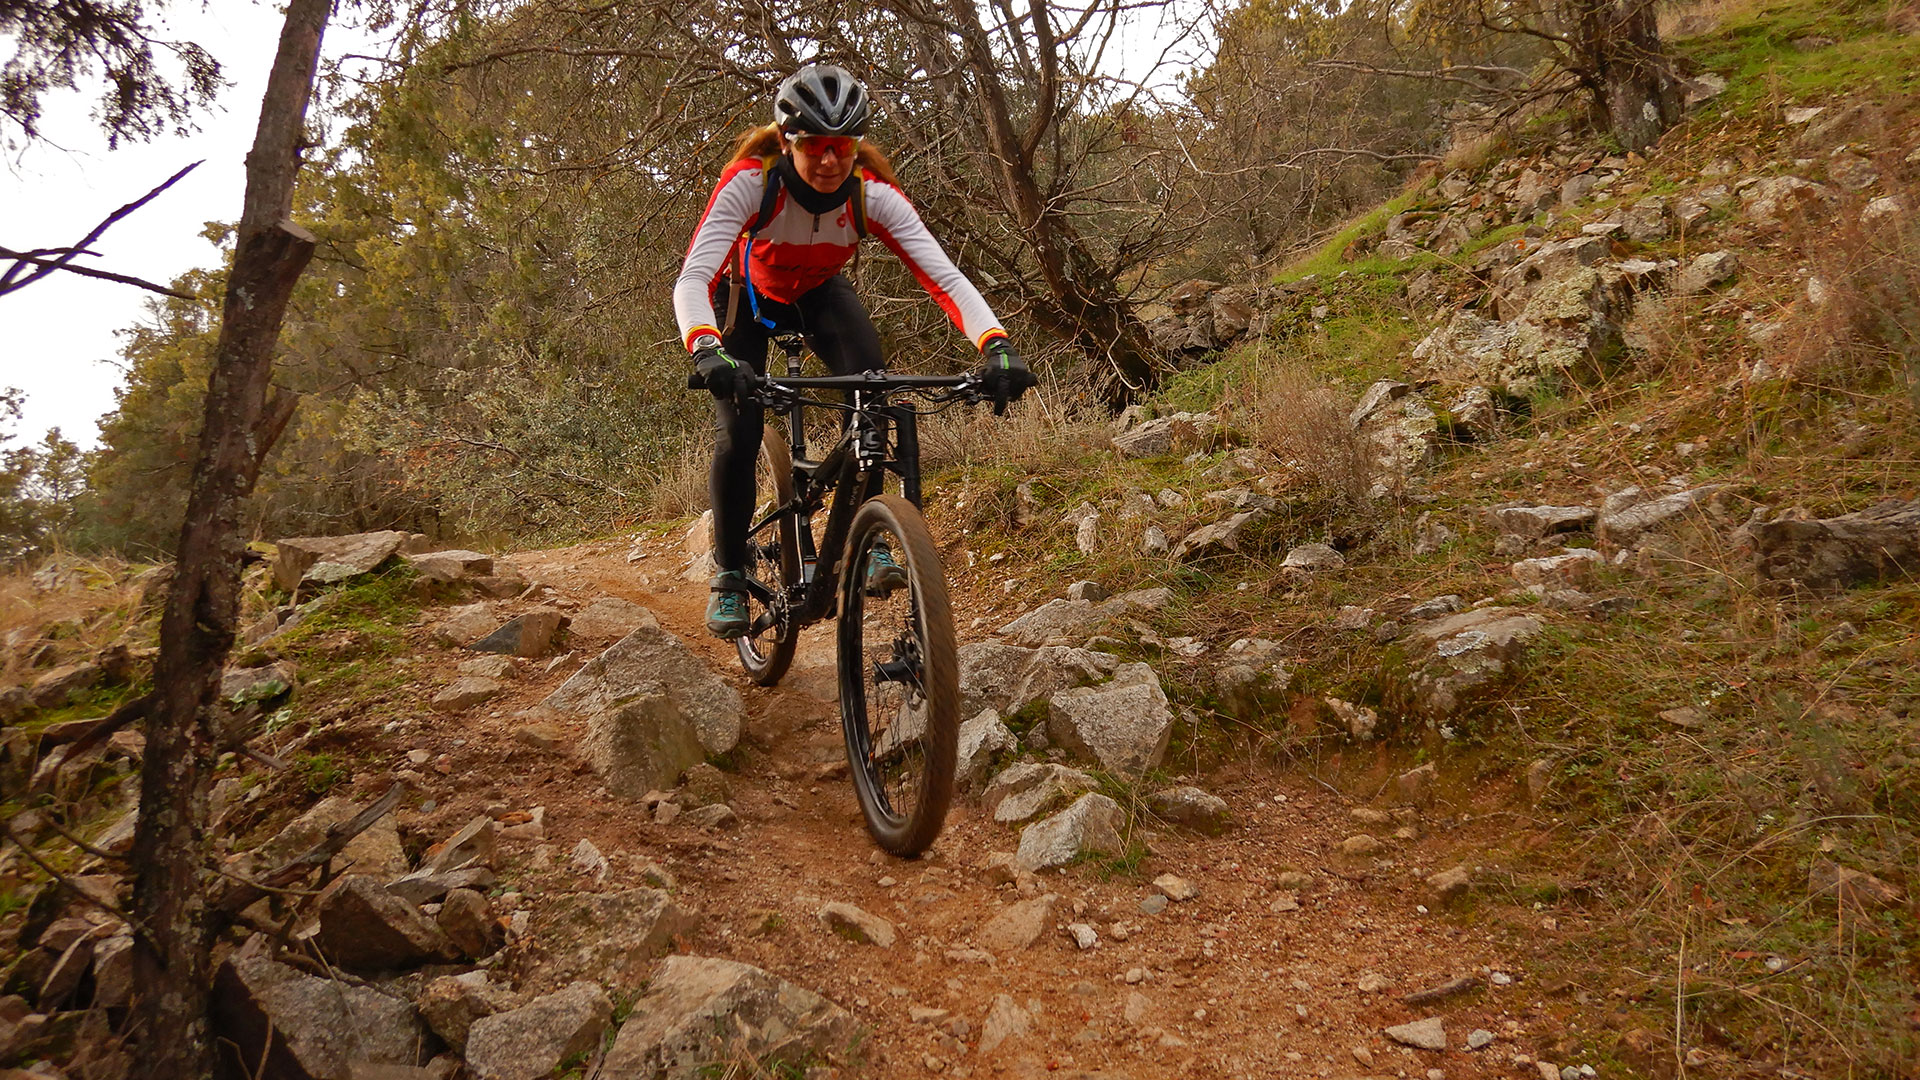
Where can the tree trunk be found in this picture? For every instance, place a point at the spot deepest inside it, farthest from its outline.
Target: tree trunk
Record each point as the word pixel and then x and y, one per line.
pixel 170 857
pixel 1101 324
pixel 1635 88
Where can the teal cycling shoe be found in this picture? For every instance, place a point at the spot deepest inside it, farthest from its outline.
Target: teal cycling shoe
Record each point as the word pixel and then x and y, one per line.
pixel 883 574
pixel 727 615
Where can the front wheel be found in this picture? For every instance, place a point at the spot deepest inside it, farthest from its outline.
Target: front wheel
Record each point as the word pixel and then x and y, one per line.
pixel 773 562
pixel 899 675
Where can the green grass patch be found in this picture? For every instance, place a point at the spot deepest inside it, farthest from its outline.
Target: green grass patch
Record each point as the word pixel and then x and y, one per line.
pixel 1327 260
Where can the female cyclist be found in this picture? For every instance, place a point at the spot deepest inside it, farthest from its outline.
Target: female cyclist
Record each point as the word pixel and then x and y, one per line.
pixel 783 220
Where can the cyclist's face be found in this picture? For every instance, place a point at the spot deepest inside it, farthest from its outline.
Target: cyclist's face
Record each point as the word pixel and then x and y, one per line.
pixel 822 163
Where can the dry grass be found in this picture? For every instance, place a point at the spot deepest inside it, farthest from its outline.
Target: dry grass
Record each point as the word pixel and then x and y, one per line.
pixel 1038 434
pixel 1305 425
pixel 62 608
pixel 682 489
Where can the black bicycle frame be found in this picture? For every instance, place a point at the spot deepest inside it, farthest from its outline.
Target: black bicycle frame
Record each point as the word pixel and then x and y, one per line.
pixel 855 469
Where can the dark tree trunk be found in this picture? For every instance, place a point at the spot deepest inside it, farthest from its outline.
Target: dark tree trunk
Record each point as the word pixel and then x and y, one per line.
pixel 1632 78
pixel 170 857
pixel 1095 317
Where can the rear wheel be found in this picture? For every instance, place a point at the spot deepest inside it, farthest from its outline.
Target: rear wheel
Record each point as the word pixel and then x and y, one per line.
pixel 773 562
pixel 899 678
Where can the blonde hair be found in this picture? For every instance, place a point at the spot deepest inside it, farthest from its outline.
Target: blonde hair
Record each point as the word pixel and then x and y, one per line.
pixel 764 142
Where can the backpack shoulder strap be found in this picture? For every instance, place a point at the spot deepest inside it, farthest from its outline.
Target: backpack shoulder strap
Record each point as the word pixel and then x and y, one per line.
pixel 858 203
pixel 769 195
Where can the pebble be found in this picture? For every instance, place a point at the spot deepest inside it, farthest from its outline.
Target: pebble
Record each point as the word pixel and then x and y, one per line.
pixel 1478 1038
pixel 1373 983
pixel 1363 1055
pixel 1500 978
pixel 1175 888
pixel 1284 905
pixel 1084 936
pixel 1428 1034
pixel 1360 844
pixel 1153 905
pixel 1135 976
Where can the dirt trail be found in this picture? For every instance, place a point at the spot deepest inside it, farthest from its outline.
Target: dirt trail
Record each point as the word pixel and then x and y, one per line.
pixel 1247 980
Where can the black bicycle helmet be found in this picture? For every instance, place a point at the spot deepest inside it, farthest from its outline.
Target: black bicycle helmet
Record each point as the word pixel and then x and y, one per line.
pixel 822 99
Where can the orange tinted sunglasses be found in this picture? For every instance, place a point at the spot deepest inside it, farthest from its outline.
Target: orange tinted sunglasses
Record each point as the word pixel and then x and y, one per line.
pixel 818 145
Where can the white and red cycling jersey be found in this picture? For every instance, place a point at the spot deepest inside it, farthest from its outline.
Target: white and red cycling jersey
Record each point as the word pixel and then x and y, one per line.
pixel 797 250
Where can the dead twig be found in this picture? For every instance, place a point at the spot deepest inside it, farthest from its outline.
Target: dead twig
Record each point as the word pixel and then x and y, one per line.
pixel 244 891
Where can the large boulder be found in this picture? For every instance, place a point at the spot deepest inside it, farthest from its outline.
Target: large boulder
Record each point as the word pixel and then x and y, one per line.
pixel 365 928
pixel 1123 724
pixel 1876 544
pixel 1457 658
pixel 1006 678
pixel 645 661
pixel 452 1004
pixel 533 1040
pixel 318 1029
pixel 452 565
pixel 1090 826
pixel 981 740
pixel 702 1012
pixel 376 851
pixel 1553 261
pixel 642 745
pixel 332 558
pixel 606 937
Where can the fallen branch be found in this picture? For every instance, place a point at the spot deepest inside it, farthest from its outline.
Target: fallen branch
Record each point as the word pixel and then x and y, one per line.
pixel 244 891
pixel 63 881
pixel 1459 986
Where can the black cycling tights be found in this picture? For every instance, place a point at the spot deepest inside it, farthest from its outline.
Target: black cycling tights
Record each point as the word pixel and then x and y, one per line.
pixel 839 331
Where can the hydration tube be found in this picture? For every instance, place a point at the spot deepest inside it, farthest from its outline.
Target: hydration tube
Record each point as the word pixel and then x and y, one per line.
pixel 753 294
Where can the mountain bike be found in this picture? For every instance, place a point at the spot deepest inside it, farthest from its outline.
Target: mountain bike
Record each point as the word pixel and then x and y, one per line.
pixel 872 564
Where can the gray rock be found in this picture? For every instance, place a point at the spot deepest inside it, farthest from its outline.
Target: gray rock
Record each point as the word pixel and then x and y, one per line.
pixel 1624 526
pixel 375 851
pixel 451 565
pixel 1461 655
pixel 1176 888
pixel 1004 1021
pixel 1091 824
pixel 450 1004
pixel 531 1041
pixel 1192 808
pixel 1415 787
pixel 701 1012
pixel 642 745
pixel 112 972
pixel 317 1026
pixel 1219 539
pixel 338 557
pixel 857 925
pixel 1883 212
pixel 465 693
pixel 1571 569
pixel 1479 1038
pixel 1360 721
pixel 1123 724
pixel 981 739
pixel 990 671
pixel 51 691
pixel 467 921
pixel 1878 544
pixel 1166 435
pixel 1706 271
pixel 608 618
pixel 365 928
pixel 246 686
pixel 530 634
pixel 1018 926
pixel 1475 416
pixel 607 937
pixel 1428 1034
pixel 1153 904
pixel 1436 607
pixel 1538 522
pixel 1429 536
pixel 1072 619
pixel 1024 790
pixel 473 845
pixel 1314 557
pixel 1089 590
pixel 1779 199
pixel 1450 885
pixel 1646 221
pixel 427 887
pixel 487 667
pixel 1153 541
pixel 717 816
pixel 465 624
pixel 648 656
pixel 1376 399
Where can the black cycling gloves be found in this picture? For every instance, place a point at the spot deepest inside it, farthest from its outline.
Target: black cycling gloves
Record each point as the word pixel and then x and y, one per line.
pixel 722 375
pixel 1003 373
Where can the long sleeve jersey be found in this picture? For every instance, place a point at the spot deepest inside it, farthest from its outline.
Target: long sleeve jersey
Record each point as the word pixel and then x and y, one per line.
pixel 797 250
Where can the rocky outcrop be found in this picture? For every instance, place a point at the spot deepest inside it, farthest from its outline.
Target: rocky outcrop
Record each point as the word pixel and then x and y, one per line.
pixel 319 1028
pixel 607 938
pixel 1022 791
pixel 326 559
pixel 1456 659
pixel 1090 826
pixel 532 1041
pixel 1881 543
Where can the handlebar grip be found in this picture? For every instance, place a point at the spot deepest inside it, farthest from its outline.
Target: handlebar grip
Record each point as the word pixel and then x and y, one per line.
pixel 694 381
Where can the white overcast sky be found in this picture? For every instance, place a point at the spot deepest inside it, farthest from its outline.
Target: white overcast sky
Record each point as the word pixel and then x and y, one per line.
pixel 59 336
pixel 58 339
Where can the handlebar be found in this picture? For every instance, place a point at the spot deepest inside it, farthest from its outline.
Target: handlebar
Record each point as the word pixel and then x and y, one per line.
pixel 783 391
